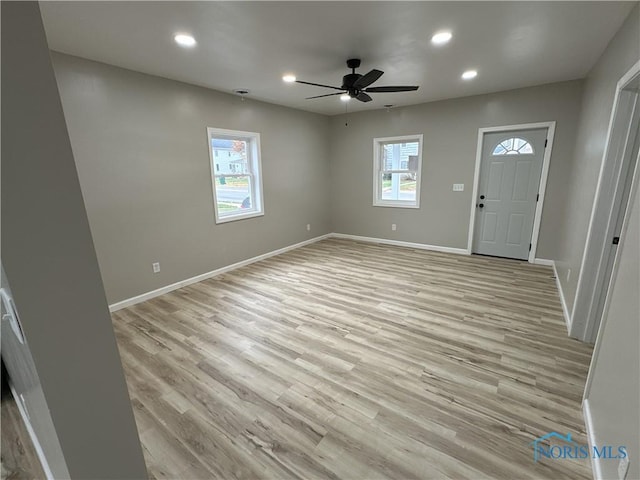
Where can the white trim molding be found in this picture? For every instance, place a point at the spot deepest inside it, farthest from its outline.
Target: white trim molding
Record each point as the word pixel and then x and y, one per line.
pixel 378 170
pixel 399 243
pixel 358 238
pixel 605 209
pixel 32 434
pixel 551 128
pixel 544 261
pixel 254 161
pixel 565 310
pixel 198 278
pixel 591 438
pixel 614 272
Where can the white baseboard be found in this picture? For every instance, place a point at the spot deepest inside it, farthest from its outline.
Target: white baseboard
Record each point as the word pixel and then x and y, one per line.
pixel 384 241
pixel 32 434
pixel 399 243
pixel 543 261
pixel 591 438
pixel 565 309
pixel 198 278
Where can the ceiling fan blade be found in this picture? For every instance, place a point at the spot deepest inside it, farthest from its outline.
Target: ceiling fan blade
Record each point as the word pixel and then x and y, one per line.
pixel 363 97
pixel 367 79
pixel 327 95
pixel 404 88
pixel 319 85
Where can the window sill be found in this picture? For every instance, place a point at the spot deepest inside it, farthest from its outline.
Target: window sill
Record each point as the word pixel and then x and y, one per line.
pixel 396 205
pixel 242 216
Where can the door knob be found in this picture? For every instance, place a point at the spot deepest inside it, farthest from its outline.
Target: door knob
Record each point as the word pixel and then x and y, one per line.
pixel 481 197
pixel 481 205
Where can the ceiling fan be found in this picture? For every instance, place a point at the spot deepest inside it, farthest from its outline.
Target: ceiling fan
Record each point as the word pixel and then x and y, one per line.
pixel 357 85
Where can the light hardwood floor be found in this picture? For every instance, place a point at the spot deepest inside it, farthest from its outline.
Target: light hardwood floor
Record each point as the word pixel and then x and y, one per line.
pixel 351 360
pixel 18 457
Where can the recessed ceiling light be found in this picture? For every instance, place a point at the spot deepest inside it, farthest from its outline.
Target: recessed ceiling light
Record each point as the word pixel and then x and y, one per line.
pixel 345 97
pixel 289 78
pixel 441 38
pixel 184 40
pixel 469 74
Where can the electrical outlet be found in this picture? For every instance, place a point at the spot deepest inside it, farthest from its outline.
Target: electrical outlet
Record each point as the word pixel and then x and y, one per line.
pixel 568 274
pixel 308 227
pixel 393 227
pixel 458 187
pixel 156 267
pixel 623 467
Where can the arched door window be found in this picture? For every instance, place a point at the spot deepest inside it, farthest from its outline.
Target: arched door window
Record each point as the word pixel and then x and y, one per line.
pixel 513 146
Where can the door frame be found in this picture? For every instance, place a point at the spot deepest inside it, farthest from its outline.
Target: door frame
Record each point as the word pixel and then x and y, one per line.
pixel 551 128
pixel 584 324
pixel 616 265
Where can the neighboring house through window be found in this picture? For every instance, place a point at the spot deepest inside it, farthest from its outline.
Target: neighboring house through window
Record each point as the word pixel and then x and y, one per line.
pixel 397 163
pixel 236 174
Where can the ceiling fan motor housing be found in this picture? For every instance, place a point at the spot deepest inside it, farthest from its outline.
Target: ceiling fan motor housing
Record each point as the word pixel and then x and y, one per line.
pixel 357 85
pixel 349 80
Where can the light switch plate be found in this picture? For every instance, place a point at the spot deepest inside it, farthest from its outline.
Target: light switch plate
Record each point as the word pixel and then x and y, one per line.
pixel 458 187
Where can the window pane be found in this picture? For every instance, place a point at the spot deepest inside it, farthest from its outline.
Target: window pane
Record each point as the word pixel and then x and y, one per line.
pixel 513 146
pixel 233 194
pixel 230 156
pixel 399 186
pixel 499 150
pixel 508 144
pixel 526 148
pixel 400 156
pixel 397 163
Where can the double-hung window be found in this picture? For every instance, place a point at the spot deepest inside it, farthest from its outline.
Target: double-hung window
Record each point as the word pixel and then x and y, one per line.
pixel 397 163
pixel 236 174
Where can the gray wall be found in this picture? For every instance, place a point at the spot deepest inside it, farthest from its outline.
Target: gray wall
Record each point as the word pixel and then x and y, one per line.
pixel 614 392
pixel 140 145
pixel 450 130
pixel 597 101
pixel 48 256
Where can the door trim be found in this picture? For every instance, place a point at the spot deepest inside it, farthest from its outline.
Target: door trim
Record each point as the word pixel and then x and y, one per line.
pixel 592 267
pixel 616 265
pixel 551 128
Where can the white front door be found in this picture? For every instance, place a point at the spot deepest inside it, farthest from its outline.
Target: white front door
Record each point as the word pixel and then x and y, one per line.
pixel 510 170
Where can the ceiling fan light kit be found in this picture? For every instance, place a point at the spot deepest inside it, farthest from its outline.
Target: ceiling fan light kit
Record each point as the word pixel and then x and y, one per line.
pixel 356 85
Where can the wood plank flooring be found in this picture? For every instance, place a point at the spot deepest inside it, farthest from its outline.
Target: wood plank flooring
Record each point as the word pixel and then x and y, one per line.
pixel 351 360
pixel 18 457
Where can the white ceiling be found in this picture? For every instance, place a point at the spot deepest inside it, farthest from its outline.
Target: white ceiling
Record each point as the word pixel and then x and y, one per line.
pixel 251 44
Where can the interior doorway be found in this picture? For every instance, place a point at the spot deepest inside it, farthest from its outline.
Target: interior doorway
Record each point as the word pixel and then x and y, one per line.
pixel 610 205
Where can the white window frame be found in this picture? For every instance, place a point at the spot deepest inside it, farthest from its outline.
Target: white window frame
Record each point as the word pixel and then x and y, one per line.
pixel 378 170
pixel 255 172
